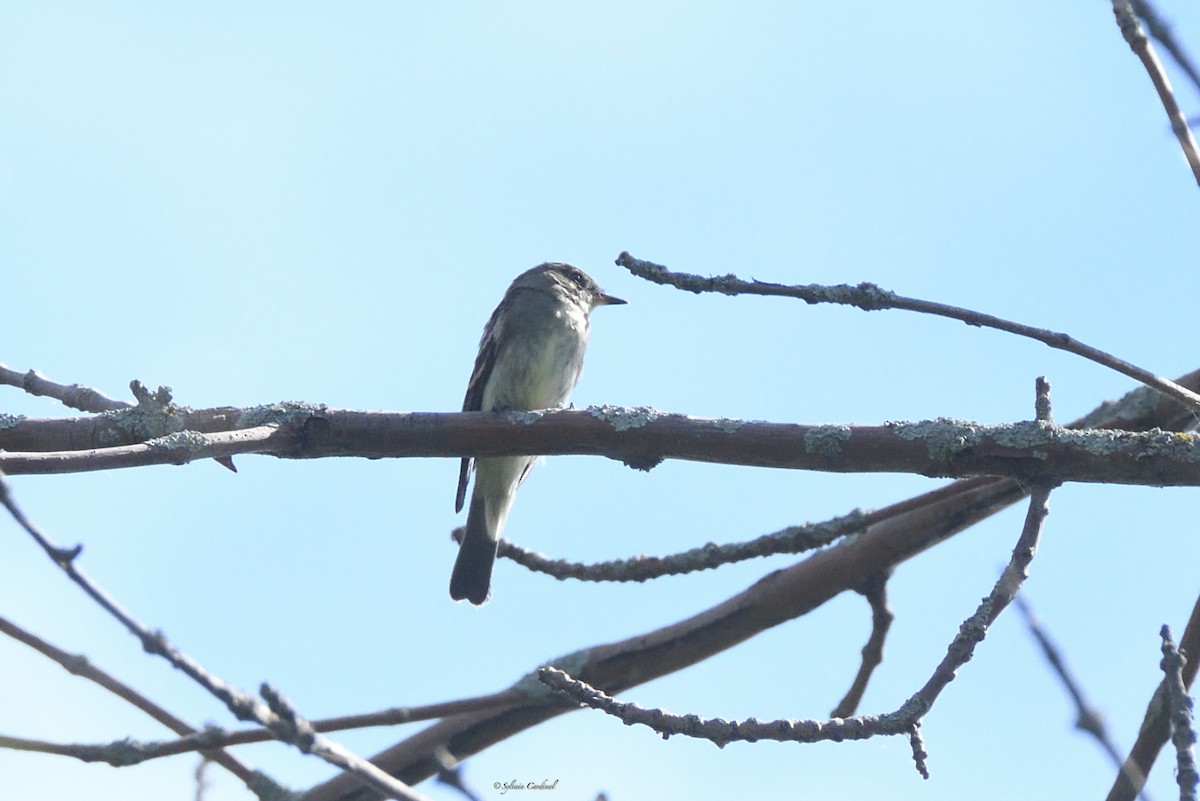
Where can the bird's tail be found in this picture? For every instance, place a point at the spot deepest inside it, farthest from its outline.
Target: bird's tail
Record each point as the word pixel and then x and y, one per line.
pixel 472 576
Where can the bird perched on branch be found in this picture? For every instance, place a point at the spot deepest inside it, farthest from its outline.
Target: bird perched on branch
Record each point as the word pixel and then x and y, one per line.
pixel 530 356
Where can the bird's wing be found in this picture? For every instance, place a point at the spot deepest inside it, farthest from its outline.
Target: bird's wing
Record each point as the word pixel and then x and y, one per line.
pixel 473 402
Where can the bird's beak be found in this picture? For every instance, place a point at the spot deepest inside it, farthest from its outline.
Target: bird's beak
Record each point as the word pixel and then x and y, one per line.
pixel 605 299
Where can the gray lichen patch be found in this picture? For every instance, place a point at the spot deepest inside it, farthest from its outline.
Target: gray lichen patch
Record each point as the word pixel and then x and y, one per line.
pixel 622 418
pixel 278 414
pixel 826 440
pixel 146 422
pixel 190 442
pixel 946 438
pixel 943 437
pixel 10 420
pixel 525 417
pixel 866 296
pixel 1182 447
pixel 1026 434
pixel 728 424
pixel 1101 441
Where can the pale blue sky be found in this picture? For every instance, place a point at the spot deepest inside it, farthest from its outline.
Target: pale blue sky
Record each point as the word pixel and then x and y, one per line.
pixel 324 202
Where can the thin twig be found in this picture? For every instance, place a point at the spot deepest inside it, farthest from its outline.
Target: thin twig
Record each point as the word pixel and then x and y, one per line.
pixel 128 751
pixel 974 628
pixel 1183 733
pixel 1160 29
pixel 870 297
pixel 201 777
pixel 1156 728
pixel 875 591
pixel 290 727
pixel 1087 717
pixel 1131 30
pixel 76 396
pixel 790 540
pixel 83 667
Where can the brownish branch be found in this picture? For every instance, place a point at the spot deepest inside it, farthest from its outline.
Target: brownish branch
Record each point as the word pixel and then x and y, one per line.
pixel 870 297
pixel 1156 726
pixel 1131 30
pixel 875 591
pixel 81 666
pixel 1029 451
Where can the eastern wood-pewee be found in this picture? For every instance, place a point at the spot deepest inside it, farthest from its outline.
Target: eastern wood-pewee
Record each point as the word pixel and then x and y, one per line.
pixel 530 357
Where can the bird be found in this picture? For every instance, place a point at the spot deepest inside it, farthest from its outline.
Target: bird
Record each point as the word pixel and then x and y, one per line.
pixel 530 357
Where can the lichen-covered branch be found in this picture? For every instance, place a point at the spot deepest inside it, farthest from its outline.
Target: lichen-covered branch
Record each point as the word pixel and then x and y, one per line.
pixel 1030 451
pixel 1179 706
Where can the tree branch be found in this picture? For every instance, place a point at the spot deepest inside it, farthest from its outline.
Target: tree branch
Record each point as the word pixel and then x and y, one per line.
pixel 641 438
pixel 1156 728
pixel 1179 708
pixel 1131 30
pixel 870 297
pixel 1087 717
pixel 81 666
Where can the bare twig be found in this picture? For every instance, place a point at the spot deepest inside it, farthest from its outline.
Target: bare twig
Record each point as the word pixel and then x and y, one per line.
pixel 243 706
pixel 1131 30
pixel 1041 401
pixel 1160 29
pixel 974 629
pixel 1179 706
pixel 875 591
pixel 1087 717
pixel 790 540
pixel 178 448
pixel 201 777
pixel 1155 728
pixel 76 396
pixel 720 731
pixel 131 752
pixel 81 666
pixel 290 727
pixel 870 297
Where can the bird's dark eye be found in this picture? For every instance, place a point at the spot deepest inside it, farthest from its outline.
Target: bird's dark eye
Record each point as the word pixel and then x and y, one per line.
pixel 578 277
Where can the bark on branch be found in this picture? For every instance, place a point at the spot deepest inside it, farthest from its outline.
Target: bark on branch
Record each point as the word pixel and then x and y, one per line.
pixel 639 437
